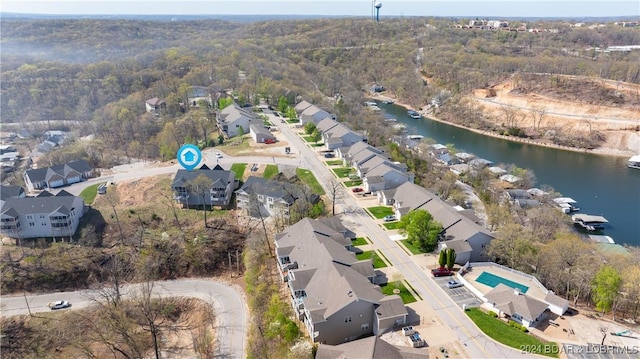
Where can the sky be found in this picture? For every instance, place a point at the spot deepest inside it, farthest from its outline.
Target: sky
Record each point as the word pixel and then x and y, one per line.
pixel 468 8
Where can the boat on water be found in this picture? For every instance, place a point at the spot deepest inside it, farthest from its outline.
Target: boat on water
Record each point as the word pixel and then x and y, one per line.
pixel 388 102
pixel 634 162
pixel 370 103
pixel 411 112
pixel 416 116
pixel 589 222
pixel 566 204
pixel 415 137
pixel 400 128
pixel 390 120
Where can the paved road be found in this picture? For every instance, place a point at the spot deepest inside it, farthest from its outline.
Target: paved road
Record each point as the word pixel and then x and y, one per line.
pixel 476 343
pixel 229 306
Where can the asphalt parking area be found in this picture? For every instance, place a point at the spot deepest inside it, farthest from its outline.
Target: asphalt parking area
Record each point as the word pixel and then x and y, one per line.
pixel 461 295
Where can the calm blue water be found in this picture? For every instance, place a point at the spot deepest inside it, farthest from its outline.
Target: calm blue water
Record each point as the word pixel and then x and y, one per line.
pixel 602 185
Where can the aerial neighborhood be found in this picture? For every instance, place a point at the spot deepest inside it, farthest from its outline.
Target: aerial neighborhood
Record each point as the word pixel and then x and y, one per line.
pixel 320 189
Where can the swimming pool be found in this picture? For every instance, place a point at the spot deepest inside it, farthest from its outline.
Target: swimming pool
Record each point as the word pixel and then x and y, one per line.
pixel 493 280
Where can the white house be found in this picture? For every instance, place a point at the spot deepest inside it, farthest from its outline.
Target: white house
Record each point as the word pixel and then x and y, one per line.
pixel 519 307
pixel 44 216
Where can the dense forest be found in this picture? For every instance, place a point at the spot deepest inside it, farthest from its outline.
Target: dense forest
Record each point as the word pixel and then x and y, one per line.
pixel 100 72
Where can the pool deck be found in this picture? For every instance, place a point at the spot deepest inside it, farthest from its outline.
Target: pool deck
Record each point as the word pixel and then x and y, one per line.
pixel 471 276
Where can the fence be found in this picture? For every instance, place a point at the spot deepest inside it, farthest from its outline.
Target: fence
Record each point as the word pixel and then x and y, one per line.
pixel 516 272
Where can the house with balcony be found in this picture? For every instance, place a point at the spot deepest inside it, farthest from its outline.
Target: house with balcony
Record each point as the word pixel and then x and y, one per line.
pixel 58 175
pixel 264 198
pixel 233 118
pixel 204 186
pixel 313 114
pixel 332 292
pixel 46 216
pixel 348 153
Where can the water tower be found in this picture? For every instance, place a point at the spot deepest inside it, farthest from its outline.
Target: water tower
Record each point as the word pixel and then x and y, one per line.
pixel 377 5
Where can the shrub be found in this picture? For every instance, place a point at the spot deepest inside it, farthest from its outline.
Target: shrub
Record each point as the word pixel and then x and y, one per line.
pixel 493 314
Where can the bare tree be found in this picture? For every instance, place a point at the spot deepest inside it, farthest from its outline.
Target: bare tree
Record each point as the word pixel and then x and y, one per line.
pixel 538 113
pixel 113 199
pixel 202 186
pixel 511 116
pixel 336 193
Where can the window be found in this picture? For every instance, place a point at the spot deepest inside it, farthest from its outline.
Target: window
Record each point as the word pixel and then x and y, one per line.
pixel 484 245
pixel 29 217
pixel 43 224
pixel 42 216
pixel 365 326
pixel 31 224
pixel 348 319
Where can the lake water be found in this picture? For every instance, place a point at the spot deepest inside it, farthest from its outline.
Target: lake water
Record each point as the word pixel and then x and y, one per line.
pixel 602 185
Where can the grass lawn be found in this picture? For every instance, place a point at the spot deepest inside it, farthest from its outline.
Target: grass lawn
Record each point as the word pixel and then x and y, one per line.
pixel 310 180
pixel 334 163
pixel 407 297
pixel 380 211
pixel 343 172
pixel 89 194
pixel 352 183
pixel 310 140
pixel 360 241
pixel 413 249
pixel 293 120
pixel 377 261
pixel 318 144
pixel 238 169
pixel 391 225
pixel 510 336
pixel 270 171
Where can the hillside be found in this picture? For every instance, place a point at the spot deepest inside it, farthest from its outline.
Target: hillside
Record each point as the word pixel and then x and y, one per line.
pixel 568 104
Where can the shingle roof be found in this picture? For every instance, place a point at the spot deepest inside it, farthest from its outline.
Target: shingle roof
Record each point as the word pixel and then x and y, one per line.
pixel 58 171
pixel 369 348
pixel 28 205
pixel 274 189
pixel 10 191
pixel 510 303
pixel 219 177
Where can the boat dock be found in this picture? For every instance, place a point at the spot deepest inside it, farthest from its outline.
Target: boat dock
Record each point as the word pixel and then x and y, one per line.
pixel 566 204
pixel 589 222
pixel 634 162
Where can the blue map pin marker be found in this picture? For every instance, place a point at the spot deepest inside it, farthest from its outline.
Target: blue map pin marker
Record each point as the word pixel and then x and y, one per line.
pixel 189 156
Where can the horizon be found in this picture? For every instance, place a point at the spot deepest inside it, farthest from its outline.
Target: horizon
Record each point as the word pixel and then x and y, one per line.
pixel 354 8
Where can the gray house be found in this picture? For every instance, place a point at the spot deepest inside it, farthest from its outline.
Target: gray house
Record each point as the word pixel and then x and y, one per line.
pixel 369 348
pixel 383 177
pixel 517 306
pixel 58 175
pixel 260 134
pixel 7 192
pixel 41 217
pixel 313 114
pixel 232 118
pixel 331 290
pixel 340 136
pixel 468 238
pixel 261 197
pixel 219 183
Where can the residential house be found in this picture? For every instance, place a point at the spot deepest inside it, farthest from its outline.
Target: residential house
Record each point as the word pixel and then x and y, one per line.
pixel 42 216
pixel 219 183
pixel 359 153
pixel 340 136
pixel 233 118
pixel 260 134
pixel 326 124
pixel 58 175
pixel 155 105
pixel 52 139
pixel 369 348
pixel 301 106
pixel 261 197
pixel 363 162
pixel 521 308
pixel 385 176
pixel 479 163
pixel 7 192
pixel 464 157
pixel 332 292
pixel 313 114
pixel 468 238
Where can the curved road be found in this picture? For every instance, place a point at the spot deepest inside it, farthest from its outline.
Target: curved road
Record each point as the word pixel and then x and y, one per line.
pixel 230 308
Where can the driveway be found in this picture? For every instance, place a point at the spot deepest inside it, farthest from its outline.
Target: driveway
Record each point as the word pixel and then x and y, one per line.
pixel 230 308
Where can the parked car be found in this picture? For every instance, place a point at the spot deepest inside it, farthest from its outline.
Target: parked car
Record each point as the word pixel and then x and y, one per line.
pixel 454 284
pixel 357 190
pixel 269 141
pixel 441 272
pixel 61 304
pixel 329 155
pixel 218 155
pixel 389 218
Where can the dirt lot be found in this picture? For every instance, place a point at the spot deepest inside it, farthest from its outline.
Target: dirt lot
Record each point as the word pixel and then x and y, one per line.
pixel 579 105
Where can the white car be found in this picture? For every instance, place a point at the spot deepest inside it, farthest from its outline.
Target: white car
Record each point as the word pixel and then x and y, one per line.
pixel 454 284
pixel 218 155
pixel 61 304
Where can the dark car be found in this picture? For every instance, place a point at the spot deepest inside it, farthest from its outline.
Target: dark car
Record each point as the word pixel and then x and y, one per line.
pixel 441 272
